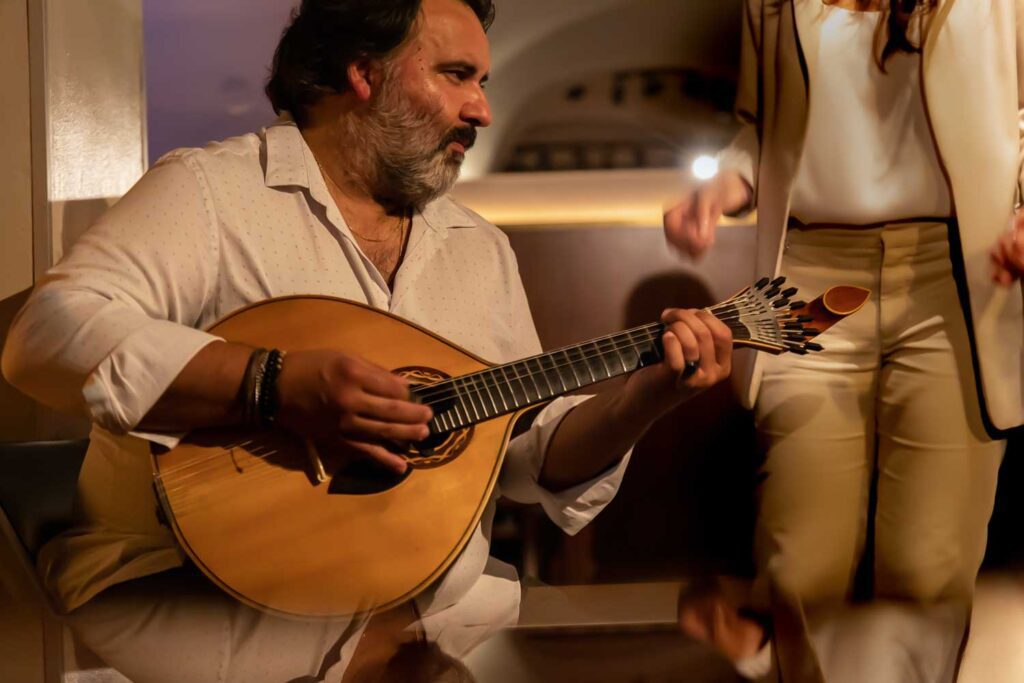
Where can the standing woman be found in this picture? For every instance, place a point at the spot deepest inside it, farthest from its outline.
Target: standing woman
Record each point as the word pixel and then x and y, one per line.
pixel 881 147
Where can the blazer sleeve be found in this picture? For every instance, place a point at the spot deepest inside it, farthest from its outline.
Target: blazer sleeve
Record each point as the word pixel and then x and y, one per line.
pixel 743 152
pixel 1020 101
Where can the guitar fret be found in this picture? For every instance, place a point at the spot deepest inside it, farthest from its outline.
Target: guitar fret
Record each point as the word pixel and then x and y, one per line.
pixel 526 391
pixel 478 393
pixel 572 368
pixel 533 378
pixel 465 392
pixel 635 347
pixel 602 356
pixel 522 372
pixel 618 353
pixel 543 373
pixel 583 359
pixel 514 400
pixel 500 387
pixel 487 383
pixel 458 421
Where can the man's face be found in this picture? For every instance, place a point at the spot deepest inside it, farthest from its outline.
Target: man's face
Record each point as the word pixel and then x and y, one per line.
pixel 428 105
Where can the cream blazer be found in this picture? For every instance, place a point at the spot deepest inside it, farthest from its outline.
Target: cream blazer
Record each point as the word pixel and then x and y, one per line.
pixel 974 89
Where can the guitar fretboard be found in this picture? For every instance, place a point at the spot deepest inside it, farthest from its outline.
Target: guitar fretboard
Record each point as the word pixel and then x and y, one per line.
pixel 761 315
pixel 462 401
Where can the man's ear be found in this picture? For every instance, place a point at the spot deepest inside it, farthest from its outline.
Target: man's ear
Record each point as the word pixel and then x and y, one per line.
pixel 362 77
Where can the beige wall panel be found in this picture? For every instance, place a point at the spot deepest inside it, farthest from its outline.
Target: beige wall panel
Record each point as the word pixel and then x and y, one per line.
pixel 15 140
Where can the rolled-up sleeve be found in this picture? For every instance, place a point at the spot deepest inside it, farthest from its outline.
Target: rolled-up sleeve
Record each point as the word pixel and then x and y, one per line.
pixel 573 508
pixel 743 153
pixel 109 328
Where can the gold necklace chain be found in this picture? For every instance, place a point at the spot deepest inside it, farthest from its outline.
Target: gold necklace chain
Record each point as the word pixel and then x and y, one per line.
pixel 400 226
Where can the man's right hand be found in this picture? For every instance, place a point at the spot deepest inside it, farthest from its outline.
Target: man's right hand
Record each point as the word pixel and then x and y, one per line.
pixel 332 397
pixel 690 224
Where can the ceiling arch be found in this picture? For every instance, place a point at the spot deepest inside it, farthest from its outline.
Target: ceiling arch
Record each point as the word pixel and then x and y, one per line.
pixel 609 35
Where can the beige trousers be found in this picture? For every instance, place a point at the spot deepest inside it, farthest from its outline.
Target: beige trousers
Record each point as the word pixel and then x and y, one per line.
pixel 893 391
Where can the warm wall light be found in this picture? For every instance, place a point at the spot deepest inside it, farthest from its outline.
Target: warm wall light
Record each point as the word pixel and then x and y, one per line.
pixel 704 167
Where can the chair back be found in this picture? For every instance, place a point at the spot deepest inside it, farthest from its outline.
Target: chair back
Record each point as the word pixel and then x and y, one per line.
pixel 37 488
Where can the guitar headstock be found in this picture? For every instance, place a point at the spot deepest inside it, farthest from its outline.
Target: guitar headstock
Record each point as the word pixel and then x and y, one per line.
pixel 767 317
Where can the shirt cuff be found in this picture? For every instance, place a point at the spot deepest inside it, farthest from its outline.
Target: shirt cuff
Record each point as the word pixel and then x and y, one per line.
pixel 127 383
pixel 572 508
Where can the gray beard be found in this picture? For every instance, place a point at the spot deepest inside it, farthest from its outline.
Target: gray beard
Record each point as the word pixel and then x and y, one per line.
pixel 400 158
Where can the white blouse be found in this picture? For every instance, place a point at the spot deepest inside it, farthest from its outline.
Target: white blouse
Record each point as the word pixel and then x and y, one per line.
pixel 869 155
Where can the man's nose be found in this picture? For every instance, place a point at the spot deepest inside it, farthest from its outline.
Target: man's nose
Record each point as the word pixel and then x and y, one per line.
pixel 477 111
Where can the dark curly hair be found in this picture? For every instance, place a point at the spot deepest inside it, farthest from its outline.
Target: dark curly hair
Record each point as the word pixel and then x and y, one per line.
pixel 325 36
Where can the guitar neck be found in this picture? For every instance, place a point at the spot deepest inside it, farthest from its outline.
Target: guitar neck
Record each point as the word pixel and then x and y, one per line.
pixel 761 317
pixel 465 400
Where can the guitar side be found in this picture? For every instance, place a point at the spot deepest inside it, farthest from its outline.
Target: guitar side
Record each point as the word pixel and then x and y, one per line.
pixel 246 511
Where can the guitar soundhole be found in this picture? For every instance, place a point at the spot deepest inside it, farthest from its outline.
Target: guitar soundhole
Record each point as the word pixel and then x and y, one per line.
pixel 436 449
pixel 365 477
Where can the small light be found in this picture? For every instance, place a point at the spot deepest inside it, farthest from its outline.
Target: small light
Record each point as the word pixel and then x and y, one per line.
pixel 705 167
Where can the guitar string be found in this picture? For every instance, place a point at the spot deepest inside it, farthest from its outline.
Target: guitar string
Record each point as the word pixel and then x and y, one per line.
pixel 503 376
pixel 443 390
pixel 772 319
pixel 441 386
pixel 478 387
pixel 192 465
pixel 635 344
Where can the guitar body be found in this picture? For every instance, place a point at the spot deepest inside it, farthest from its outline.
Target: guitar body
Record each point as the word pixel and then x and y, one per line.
pixel 244 506
pixel 260 515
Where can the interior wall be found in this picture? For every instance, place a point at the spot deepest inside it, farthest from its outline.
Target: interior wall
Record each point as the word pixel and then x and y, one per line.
pixel 74 137
pixel 15 140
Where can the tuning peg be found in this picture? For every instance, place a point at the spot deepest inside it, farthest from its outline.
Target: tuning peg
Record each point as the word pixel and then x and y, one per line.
pixel 779 303
pixel 778 281
pixel 789 291
pixel 811 346
pixel 797 305
pixel 761 283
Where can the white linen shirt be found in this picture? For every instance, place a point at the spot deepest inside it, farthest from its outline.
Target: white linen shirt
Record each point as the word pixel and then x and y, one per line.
pixel 204 233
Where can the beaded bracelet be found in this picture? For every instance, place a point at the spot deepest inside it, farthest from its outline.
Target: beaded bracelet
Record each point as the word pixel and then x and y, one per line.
pixel 250 392
pixel 266 387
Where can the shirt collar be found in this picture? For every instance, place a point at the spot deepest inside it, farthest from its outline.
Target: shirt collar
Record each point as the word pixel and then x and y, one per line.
pixel 286 154
pixel 290 162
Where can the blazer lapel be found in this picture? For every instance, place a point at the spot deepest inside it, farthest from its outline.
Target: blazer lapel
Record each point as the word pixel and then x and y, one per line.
pixel 935 21
pixel 809 15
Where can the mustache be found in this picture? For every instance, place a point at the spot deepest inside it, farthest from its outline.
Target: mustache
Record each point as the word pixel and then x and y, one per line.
pixel 464 136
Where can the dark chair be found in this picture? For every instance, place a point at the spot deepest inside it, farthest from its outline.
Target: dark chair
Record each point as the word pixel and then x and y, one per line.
pixel 37 493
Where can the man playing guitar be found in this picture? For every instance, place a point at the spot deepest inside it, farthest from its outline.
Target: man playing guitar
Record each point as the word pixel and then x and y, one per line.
pixel 343 196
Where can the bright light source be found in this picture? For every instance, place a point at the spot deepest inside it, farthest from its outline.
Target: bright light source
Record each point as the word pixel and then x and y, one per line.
pixel 705 167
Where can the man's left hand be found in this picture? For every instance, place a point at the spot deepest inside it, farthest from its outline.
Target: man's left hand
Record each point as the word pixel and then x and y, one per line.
pixel 698 355
pixel 1008 254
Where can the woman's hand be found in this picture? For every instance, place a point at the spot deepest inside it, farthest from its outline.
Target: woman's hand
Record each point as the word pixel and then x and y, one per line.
pixel 690 224
pixel 1008 254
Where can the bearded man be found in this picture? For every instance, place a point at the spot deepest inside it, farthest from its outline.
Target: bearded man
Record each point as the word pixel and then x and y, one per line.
pixel 343 196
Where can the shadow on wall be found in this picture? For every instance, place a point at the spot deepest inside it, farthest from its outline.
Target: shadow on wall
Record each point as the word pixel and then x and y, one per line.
pixel 687 502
